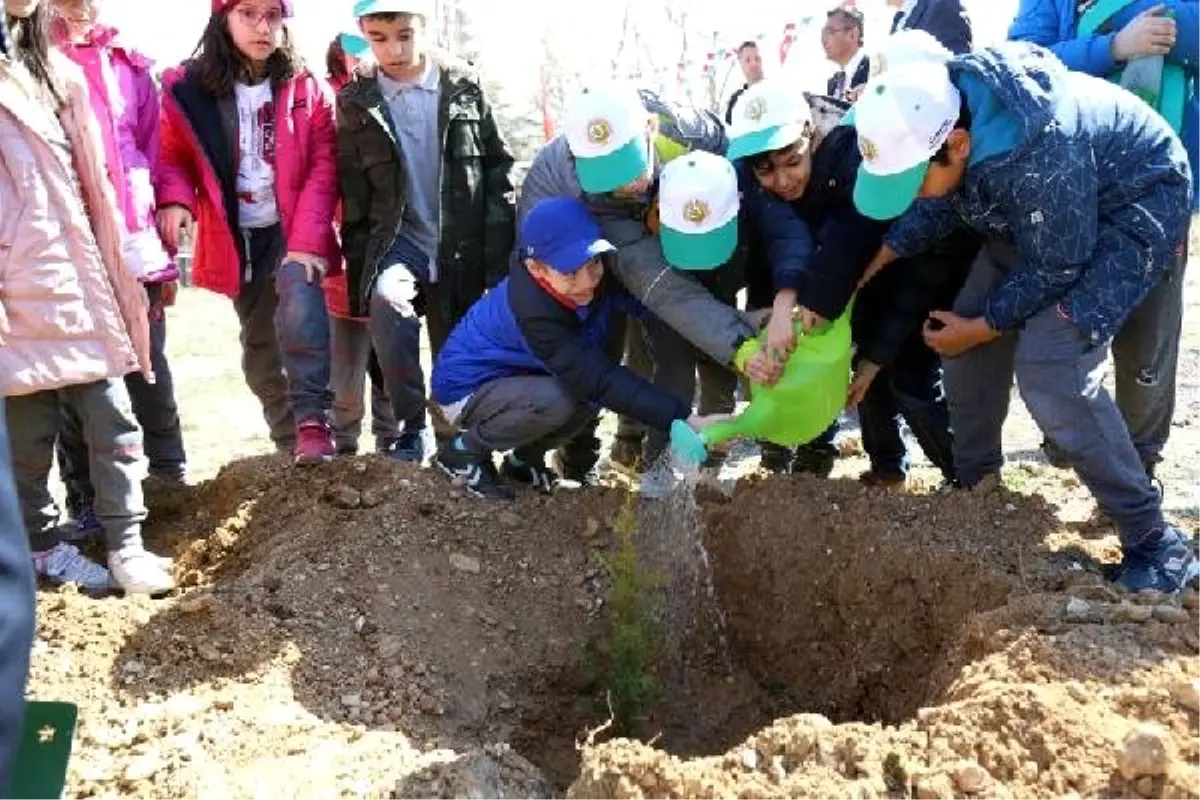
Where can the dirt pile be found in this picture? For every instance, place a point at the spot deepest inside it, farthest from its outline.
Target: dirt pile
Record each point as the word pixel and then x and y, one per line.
pixel 364 629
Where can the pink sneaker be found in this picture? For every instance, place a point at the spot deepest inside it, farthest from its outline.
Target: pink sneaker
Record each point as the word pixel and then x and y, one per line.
pixel 314 442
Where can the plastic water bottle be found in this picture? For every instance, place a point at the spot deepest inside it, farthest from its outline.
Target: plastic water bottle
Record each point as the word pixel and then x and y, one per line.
pixel 1143 75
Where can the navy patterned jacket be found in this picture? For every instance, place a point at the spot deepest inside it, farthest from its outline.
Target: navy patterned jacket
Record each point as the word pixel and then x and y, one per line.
pixel 1088 182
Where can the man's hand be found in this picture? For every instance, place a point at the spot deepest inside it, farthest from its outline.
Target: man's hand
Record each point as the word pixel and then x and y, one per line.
pixel 950 335
pixel 864 376
pixel 172 220
pixel 1150 33
pixel 809 319
pixel 763 369
pixel 314 266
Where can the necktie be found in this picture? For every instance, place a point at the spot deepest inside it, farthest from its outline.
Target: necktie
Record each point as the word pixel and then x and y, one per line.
pixel 839 84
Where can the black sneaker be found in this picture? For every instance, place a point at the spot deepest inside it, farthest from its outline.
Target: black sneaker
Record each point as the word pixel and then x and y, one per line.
pixel 535 475
pixel 475 470
pixel 410 447
pixel 776 458
pixel 814 459
pixel 575 476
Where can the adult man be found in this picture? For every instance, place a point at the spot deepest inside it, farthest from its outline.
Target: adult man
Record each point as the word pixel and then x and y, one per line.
pixel 750 60
pixel 842 38
pixel 946 20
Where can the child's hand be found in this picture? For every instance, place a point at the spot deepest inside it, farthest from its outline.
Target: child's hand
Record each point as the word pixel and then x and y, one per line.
pixel 810 319
pixel 864 376
pixel 1150 33
pixel 781 336
pixel 171 221
pixel 956 335
pixel 699 422
pixel 762 368
pixel 314 266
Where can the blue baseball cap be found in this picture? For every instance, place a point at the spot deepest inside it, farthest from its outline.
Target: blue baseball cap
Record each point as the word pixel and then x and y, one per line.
pixel 354 45
pixel 560 232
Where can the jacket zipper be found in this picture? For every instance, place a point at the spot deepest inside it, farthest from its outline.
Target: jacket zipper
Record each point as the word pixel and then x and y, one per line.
pixel 248 272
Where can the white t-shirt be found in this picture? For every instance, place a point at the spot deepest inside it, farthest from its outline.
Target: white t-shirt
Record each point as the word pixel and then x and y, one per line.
pixel 256 148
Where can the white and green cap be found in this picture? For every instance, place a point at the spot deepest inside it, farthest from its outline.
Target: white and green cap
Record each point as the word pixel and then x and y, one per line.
pixel 606 129
pixel 769 115
pixel 905 47
pixel 422 8
pixel 698 204
pixel 903 118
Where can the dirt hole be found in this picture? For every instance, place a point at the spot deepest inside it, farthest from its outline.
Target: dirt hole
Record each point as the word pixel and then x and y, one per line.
pixel 844 610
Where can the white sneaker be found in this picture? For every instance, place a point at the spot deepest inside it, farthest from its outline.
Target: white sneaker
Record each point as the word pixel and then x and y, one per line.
pixel 140 572
pixel 63 563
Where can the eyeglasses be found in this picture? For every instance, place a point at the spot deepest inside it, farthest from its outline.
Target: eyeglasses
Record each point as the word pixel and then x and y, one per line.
pixel 252 18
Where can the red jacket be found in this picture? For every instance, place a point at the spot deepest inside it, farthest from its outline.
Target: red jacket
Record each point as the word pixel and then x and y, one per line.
pixel 198 170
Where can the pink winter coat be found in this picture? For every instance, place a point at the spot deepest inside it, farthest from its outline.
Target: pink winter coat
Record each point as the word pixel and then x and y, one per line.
pixel 125 102
pixel 70 311
pixel 198 168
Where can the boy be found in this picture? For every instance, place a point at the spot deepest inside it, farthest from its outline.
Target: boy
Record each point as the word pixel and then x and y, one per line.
pixel 1101 39
pixel 428 199
pixel 616 141
pixel 800 178
pixel 1081 191
pixel 526 369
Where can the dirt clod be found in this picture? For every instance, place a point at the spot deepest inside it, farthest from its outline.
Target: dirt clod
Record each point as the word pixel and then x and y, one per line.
pixel 970 778
pixel 1146 751
pixel 1187 694
pixel 465 563
pixel 1172 615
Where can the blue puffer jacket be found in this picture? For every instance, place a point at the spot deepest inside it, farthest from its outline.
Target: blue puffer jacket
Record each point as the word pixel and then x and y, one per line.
pixel 518 328
pixel 1088 181
pixel 1054 24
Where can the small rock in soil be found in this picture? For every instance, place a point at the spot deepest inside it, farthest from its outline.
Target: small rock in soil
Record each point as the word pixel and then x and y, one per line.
pixel 1172 615
pixel 371 498
pixel 1145 751
pixel 351 700
pixel 207 652
pixel 509 521
pixel 389 647
pixel 936 786
pixel 970 778
pixel 751 759
pixel 201 603
pixel 465 563
pixel 344 497
pixel 142 768
pixel 1128 612
pixel 591 528
pixel 133 668
pixel 1191 600
pixel 1187 694
pixel 1078 610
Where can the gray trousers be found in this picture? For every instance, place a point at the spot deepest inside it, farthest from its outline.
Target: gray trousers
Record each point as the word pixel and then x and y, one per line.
pixel 527 414
pixel 676 364
pixel 1060 376
pixel 114 447
pixel 351 360
pixel 16 614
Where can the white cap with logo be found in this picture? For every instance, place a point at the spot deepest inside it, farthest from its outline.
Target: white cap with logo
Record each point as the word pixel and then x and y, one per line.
pixel 698 203
pixel 769 115
pixel 909 47
pixel 606 129
pixel 903 118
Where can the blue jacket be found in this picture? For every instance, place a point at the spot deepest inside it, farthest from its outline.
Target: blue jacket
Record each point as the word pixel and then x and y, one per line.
pixel 16 614
pixel 1054 24
pixel 825 265
pixel 1088 181
pixel 518 328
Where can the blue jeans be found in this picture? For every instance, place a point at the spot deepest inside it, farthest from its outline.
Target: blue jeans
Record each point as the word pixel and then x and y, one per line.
pixel 156 411
pixel 910 388
pixel 284 336
pixel 16 614
pixel 113 441
pixel 1060 376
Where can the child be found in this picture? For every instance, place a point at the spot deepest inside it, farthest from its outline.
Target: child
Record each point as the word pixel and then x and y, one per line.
pixel 124 100
pixel 526 369
pixel 1082 192
pixel 428 199
pixel 72 316
pixel 800 179
pixel 248 154
pixel 616 141
pixel 1088 38
pixel 351 355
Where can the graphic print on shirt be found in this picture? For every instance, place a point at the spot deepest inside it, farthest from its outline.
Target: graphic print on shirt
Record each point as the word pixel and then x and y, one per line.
pixel 257 207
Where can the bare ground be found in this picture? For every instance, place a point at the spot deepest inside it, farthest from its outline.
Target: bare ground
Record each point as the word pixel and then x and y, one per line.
pixel 365 630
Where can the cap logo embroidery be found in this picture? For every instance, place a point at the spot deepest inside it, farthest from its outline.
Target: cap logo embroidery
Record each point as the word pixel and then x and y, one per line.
pixel 868 149
pixel 599 131
pixel 695 211
pixel 756 109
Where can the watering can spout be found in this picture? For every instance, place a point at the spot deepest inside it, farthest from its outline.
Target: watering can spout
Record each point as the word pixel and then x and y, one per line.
pixel 805 400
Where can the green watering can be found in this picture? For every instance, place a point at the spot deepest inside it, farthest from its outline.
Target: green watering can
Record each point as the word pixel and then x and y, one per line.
pixel 804 402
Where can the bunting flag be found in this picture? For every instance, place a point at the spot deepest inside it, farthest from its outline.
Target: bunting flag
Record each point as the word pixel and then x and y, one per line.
pixel 549 129
pixel 785 47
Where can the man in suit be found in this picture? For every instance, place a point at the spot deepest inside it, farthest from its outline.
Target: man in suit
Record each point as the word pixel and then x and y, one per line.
pixel 750 60
pixel 945 20
pixel 842 38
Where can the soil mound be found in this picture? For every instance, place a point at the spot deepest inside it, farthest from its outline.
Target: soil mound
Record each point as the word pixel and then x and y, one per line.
pixel 365 629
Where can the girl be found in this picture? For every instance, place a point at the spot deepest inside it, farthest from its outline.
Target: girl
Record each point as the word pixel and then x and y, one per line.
pixel 248 153
pixel 349 339
pixel 72 315
pixel 125 102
